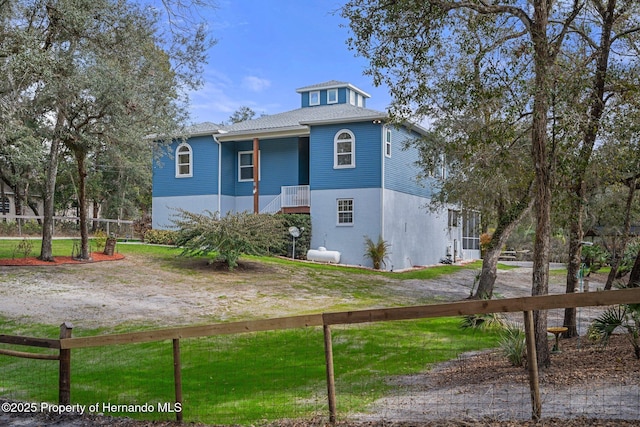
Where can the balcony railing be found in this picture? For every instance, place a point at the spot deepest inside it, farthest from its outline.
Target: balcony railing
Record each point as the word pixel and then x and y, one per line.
pixel 295 195
pixel 292 196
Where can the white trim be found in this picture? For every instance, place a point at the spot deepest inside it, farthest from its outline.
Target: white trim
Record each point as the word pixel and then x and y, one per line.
pixel 352 97
pixel 352 140
pixel 240 153
pixel 335 93
pixel 386 142
pixel 352 211
pixel 189 163
pixel 311 94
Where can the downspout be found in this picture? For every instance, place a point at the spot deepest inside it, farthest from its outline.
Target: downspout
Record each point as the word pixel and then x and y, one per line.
pixel 382 184
pixel 219 175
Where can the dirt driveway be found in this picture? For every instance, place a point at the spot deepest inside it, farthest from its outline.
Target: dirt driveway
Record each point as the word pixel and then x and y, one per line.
pixel 137 291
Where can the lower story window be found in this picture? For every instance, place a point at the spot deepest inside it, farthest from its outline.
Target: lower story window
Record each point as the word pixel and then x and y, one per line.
pixel 471 230
pixel 345 211
pixel 5 205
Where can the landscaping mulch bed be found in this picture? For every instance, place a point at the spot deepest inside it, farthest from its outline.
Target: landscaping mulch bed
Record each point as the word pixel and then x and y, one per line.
pixel 59 260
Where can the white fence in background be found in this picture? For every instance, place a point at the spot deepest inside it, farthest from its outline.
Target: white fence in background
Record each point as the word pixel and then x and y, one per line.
pixel 117 227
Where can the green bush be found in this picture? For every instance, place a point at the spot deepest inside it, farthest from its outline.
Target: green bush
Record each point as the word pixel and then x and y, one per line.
pixel 228 237
pixel 513 344
pixel 100 239
pixel 376 251
pixel 489 321
pixel 161 237
pixel 23 248
pixel 285 246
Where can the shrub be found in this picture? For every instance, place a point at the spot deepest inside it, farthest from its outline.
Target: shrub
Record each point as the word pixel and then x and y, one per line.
pixel 376 251
pixel 161 237
pixel 100 239
pixel 229 236
pixel 142 225
pixel 513 344
pixel 285 246
pixel 623 316
pixel 23 248
pixel 483 321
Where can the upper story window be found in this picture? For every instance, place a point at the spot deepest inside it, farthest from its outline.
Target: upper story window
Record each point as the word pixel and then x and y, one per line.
pixel 352 97
pixel 344 150
pixel 184 161
pixel 387 141
pixel 314 98
pixel 332 96
pixel 345 211
pixel 245 166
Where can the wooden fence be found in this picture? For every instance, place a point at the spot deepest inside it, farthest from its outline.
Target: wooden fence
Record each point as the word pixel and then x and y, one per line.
pixel 527 305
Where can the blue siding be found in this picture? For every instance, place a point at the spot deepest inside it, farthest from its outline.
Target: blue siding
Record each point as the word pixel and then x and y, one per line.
pixel 343 97
pixel 366 174
pixel 205 166
pixel 401 172
pixel 279 164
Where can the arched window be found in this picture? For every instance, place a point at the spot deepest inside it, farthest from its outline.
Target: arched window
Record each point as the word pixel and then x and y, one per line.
pixel 184 161
pixel 344 144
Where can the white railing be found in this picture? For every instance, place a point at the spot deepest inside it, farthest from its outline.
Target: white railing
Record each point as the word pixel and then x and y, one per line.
pixel 291 196
pixel 273 207
pixel 296 195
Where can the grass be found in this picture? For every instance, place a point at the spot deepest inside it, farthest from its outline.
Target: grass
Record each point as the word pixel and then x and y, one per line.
pixel 247 378
pixel 250 378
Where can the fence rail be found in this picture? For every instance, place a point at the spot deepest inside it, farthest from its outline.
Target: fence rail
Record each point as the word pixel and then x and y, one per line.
pixel 66 343
pixel 109 225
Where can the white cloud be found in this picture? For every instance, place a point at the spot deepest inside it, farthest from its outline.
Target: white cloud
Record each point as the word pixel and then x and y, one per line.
pixel 255 84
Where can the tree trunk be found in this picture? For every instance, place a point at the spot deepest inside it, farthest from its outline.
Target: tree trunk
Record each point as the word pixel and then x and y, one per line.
pixel 576 235
pixel 46 251
pixel 82 204
pixel 507 224
pixel 96 211
pixel 634 277
pixel 543 59
pixel 619 254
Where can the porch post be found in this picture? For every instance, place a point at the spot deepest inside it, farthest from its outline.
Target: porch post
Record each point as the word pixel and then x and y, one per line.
pixel 256 174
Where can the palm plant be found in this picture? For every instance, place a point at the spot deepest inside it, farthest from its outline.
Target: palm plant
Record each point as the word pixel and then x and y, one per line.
pixel 376 251
pixel 624 316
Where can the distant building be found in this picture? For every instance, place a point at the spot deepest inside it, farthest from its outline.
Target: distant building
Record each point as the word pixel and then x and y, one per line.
pixel 331 158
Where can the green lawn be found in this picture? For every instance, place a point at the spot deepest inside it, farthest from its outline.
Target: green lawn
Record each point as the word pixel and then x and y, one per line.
pixel 246 378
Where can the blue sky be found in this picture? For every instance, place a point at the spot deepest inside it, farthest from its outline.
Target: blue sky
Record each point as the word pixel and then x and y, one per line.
pixel 269 48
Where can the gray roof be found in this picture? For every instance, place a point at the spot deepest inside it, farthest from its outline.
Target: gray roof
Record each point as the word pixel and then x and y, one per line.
pixel 297 121
pixel 204 128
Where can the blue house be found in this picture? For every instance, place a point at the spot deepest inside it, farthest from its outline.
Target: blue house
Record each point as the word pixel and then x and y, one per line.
pixel 331 158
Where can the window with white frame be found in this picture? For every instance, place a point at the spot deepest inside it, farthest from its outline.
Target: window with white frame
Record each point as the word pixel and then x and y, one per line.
pixel 452 220
pixel 345 211
pixel 471 230
pixel 184 161
pixel 352 97
pixel 360 100
pixel 332 96
pixel 245 166
pixel 344 150
pixel 314 98
pixel 387 141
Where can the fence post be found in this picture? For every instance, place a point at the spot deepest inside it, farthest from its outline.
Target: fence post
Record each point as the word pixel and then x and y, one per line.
pixel 64 374
pixel 331 383
pixel 177 376
pixel 532 363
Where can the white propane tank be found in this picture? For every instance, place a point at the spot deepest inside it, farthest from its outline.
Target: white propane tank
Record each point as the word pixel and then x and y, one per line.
pixel 323 255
